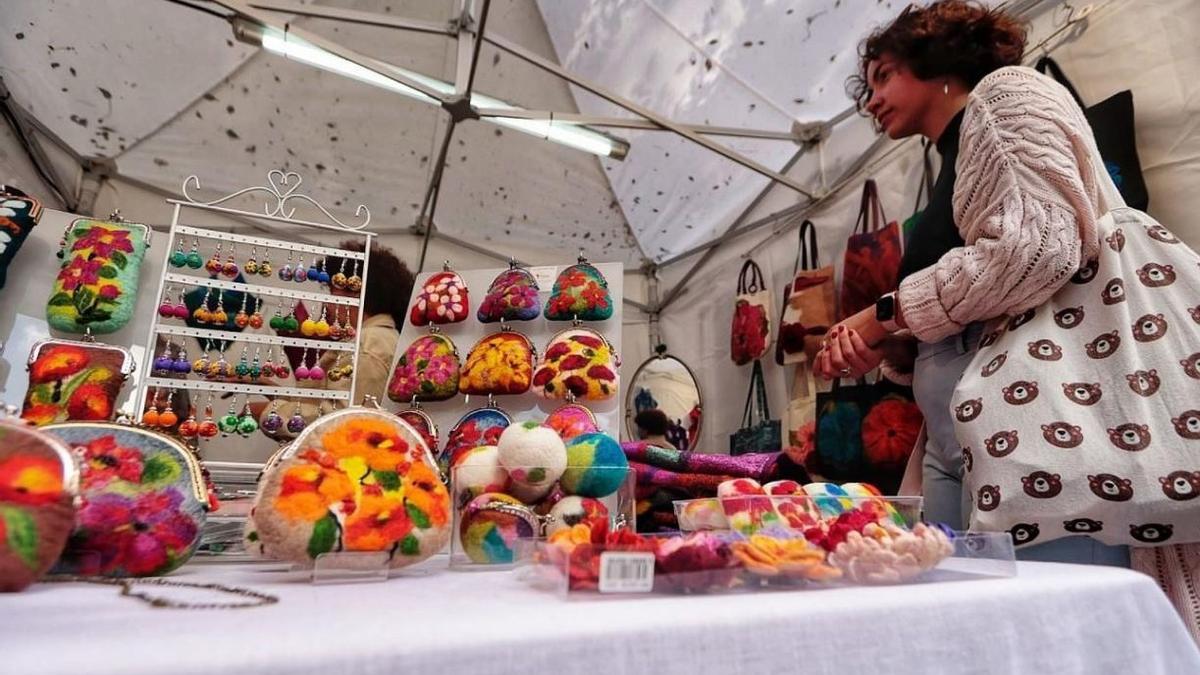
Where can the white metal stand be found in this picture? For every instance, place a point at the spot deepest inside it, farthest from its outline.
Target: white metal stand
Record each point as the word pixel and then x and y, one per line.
pixel 280 192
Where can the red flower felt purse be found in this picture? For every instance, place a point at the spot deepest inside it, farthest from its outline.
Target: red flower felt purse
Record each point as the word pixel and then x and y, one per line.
pixel 751 332
pixel 74 381
pixel 442 299
pixel 871 267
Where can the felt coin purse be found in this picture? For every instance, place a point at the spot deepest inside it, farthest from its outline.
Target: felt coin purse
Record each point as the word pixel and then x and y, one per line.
pixel 74 381
pixel 357 480
pixel 428 370
pixel 499 364
pixel 96 288
pixel 39 484
pixel 513 296
pixel 580 293
pixel 143 501
pixel 578 362
pixel 441 300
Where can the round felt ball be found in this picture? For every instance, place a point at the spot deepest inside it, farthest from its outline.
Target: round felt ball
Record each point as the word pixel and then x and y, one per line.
pixel 571 511
pixel 489 535
pixel 477 470
pixel 596 466
pixel 533 455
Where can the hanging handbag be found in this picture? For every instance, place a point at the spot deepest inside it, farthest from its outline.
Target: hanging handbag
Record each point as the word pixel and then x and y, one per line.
pixel 580 294
pixel 513 296
pixel 809 301
pixel 356 480
pixel 1112 126
pixel 78 381
pixel 441 300
pixel 39 485
pixel 1082 415
pixel 18 214
pixel 758 433
pixel 865 432
pixel 500 364
pixel 924 192
pixel 428 370
pixel 802 408
pixel 750 335
pixel 96 288
pixel 871 266
pixel 578 363
pixel 144 501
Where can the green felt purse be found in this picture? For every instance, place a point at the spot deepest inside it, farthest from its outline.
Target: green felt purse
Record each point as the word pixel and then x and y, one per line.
pixel 96 287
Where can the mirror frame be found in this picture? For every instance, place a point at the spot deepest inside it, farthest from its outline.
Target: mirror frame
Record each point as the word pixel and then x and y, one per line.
pixel 630 427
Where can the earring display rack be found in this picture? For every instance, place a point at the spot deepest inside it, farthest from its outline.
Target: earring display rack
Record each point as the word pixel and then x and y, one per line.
pixel 280 193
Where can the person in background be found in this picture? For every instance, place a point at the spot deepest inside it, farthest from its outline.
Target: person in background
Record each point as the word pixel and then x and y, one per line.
pixel 916 77
pixel 385 298
pixel 652 425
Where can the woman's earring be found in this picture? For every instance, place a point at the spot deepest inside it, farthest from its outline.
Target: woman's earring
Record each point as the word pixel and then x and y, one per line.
pixel 946 88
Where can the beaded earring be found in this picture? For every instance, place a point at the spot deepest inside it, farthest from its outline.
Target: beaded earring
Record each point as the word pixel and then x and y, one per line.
pixel 273 422
pixel 166 309
pixel 338 280
pixel 220 317
pixel 256 317
pixel 228 424
pixel 264 266
pixel 242 319
pixel 213 266
pixel 285 272
pixel 302 370
pixel 296 423
pixel 150 416
pixel 202 313
pixel 207 427
pixel 251 265
pixel 194 259
pixel 178 257
pixel 230 268
pixel 247 425
pixel 167 418
pixel 354 282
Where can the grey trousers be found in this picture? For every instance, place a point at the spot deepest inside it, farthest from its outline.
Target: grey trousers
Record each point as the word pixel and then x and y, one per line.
pixel 935 374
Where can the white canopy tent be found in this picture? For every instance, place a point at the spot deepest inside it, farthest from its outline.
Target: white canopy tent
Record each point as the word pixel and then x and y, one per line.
pixel 122 100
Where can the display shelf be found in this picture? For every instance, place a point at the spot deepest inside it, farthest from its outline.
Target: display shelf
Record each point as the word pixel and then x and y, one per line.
pixel 253 338
pixel 268 243
pixel 172 278
pixel 238 388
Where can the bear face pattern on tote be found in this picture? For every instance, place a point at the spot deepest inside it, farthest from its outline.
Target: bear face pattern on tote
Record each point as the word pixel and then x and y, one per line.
pixel 1088 407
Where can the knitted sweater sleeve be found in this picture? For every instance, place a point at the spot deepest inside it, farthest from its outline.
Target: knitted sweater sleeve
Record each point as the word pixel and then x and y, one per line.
pixel 1025 202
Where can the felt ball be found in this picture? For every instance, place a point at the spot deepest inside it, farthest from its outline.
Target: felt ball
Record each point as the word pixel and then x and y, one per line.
pixel 489 535
pixel 830 498
pixel 477 471
pixel 596 466
pixel 533 455
pixel 571 511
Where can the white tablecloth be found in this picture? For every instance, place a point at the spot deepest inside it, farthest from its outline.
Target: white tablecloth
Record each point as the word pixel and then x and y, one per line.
pixel 1050 619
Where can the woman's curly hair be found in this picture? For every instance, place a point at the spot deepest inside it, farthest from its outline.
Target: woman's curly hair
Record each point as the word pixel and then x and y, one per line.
pixel 948 37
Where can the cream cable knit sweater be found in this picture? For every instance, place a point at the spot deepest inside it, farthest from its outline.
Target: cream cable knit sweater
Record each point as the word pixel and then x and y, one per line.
pixel 1026 201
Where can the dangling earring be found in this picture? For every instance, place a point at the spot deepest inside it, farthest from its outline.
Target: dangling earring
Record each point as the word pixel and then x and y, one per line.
pixel 946 88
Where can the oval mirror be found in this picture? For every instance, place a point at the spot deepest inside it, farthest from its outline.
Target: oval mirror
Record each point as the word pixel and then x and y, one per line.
pixel 665 382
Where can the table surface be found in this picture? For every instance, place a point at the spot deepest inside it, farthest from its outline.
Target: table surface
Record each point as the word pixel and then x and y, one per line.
pixel 1051 618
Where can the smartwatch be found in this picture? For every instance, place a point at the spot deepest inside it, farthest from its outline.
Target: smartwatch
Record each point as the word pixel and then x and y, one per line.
pixel 885 312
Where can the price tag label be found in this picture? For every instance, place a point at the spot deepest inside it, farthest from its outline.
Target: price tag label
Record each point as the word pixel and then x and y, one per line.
pixel 544 276
pixel 626 572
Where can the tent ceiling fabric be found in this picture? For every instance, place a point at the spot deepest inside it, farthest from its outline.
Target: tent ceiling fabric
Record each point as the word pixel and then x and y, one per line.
pixel 746 63
pixel 167 92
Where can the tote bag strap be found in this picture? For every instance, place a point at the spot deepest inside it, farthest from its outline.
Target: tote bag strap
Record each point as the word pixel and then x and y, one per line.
pixel 751 278
pixel 806 257
pixel 756 410
pixel 870 211
pixel 1048 66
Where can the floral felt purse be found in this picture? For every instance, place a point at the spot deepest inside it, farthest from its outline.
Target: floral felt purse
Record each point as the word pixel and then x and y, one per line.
pixel 441 300
pixel 499 364
pixel 74 381
pixel 580 293
pixel 39 483
pixel 427 371
pixel 357 480
pixel 144 501
pixel 750 335
pixel 18 214
pixel 578 362
pixel 571 420
pixel 481 426
pixel 423 424
pixel 513 296
pixel 97 286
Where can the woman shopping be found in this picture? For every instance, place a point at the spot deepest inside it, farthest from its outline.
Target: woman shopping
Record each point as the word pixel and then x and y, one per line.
pixel 1059 357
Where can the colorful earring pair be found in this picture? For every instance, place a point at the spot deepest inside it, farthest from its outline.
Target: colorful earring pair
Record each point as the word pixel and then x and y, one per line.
pixel 166 418
pixel 303 372
pixel 320 328
pixel 273 422
pixel 254 319
pixel 232 423
pixel 284 324
pixel 206 428
pixel 173 310
pixel 167 364
pixel 204 314
pixel 254 266
pixel 192 259
pixel 340 370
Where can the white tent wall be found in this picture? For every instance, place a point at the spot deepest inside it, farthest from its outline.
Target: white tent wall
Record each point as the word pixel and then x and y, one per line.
pixel 1148 47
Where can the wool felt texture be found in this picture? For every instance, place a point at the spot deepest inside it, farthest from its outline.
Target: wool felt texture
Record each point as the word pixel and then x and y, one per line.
pixel 37 509
pixel 481 426
pixel 534 455
pixel 750 331
pixel 19 213
pixel 572 420
pixel 513 296
pixel 358 480
pixel 70 380
pixel 579 362
pixel 97 285
pixel 427 370
pixel 580 292
pixel 596 466
pixel 144 502
pixel 443 299
pixel 499 364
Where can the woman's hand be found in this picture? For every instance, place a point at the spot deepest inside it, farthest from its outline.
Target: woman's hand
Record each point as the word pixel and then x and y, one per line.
pixel 845 354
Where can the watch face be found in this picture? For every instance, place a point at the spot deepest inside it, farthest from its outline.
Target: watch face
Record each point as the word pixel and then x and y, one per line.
pixel 885 308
